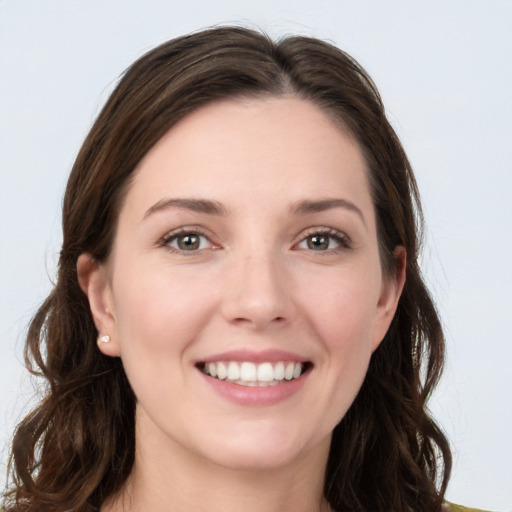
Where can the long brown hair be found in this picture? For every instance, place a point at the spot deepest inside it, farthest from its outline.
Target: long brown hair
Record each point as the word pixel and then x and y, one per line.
pixel 76 448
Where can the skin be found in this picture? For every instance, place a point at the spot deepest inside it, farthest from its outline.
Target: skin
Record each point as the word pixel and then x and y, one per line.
pixel 256 282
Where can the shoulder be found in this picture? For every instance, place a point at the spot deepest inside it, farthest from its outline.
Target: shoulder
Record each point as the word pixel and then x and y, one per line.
pixel 450 507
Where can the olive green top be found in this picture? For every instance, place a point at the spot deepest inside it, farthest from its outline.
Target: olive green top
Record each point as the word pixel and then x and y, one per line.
pixel 450 507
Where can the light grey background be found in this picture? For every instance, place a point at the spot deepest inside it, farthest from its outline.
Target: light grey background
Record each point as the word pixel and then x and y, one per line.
pixel 444 70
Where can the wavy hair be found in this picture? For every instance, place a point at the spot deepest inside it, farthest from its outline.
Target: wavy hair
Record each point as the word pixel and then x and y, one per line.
pixel 76 448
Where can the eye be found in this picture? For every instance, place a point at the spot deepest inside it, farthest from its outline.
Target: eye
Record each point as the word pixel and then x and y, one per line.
pixel 323 241
pixel 186 241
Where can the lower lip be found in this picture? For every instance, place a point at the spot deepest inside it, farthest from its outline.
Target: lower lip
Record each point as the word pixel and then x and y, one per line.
pixel 256 396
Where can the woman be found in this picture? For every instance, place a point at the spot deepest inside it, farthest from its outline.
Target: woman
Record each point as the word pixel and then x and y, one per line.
pixel 241 232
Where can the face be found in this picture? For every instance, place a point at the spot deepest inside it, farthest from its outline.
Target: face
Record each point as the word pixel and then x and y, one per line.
pixel 244 292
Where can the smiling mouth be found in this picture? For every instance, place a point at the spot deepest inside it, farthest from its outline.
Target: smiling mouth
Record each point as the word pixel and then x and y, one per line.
pixel 251 374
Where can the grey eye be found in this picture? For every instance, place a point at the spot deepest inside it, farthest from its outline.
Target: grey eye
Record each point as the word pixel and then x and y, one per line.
pixel 318 242
pixel 188 242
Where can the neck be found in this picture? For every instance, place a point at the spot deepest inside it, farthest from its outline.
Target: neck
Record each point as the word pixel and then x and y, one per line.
pixel 167 476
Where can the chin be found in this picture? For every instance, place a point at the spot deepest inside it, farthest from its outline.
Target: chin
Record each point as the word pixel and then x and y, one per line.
pixel 262 453
pixel 253 460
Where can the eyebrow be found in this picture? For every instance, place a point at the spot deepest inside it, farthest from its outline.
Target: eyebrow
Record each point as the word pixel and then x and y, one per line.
pixel 195 205
pixel 215 208
pixel 307 207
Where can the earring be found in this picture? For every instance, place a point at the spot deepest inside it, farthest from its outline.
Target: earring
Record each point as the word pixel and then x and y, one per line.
pixel 103 339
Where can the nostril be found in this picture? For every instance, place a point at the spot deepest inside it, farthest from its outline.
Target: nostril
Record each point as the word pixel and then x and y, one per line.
pixel 242 320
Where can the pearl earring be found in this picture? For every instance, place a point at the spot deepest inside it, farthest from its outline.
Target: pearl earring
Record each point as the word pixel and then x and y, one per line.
pixel 103 339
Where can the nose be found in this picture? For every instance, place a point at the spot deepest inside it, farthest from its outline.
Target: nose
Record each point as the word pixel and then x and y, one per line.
pixel 257 292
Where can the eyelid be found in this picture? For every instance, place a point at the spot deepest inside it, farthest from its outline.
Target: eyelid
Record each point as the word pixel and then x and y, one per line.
pixel 186 230
pixel 340 237
pixel 343 240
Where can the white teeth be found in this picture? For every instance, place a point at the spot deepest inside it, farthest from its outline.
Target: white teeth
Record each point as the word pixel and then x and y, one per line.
pixel 279 371
pixel 252 374
pixel 265 372
pixel 288 372
pixel 233 371
pixel 222 372
pixel 248 372
pixel 212 369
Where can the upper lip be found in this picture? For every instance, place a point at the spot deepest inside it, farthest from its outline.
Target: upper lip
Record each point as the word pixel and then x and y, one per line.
pixel 263 356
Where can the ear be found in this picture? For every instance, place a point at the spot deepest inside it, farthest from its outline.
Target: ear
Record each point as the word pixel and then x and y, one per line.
pixel 95 282
pixel 391 291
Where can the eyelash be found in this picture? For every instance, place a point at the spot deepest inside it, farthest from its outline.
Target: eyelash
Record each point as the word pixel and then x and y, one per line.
pixel 341 239
pixel 184 232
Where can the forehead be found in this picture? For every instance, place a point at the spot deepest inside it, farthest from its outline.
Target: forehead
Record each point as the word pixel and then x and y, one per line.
pixel 258 148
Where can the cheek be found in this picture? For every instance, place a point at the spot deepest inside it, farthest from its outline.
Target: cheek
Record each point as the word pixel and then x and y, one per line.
pixel 343 312
pixel 159 315
pixel 157 312
pixel 342 318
